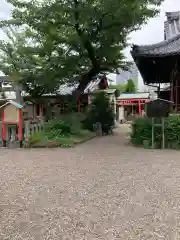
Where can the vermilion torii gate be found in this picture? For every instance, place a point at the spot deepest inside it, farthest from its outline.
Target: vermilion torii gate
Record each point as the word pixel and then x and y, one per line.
pixel 133 99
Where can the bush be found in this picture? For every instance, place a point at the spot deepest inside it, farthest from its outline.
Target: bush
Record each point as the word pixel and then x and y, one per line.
pixel 69 124
pixel 64 132
pixel 57 127
pixel 34 139
pixel 100 111
pixel 61 142
pixel 142 132
pixel 74 120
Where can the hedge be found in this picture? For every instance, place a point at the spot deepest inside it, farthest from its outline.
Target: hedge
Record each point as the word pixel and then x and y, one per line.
pixel 142 132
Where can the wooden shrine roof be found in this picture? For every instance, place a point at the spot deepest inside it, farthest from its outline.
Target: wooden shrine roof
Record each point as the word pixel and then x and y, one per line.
pixel 162 49
pixel 138 95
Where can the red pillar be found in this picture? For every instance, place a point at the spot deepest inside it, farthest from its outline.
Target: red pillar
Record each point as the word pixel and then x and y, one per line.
pixel 3 130
pixel 20 127
pixel 139 104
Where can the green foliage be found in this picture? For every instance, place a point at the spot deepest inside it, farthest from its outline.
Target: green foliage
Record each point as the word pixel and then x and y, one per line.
pixel 120 88
pixel 173 132
pixel 54 139
pixel 84 133
pixel 24 65
pixel 35 138
pixel 63 141
pixel 74 120
pixel 64 132
pixel 68 41
pixel 57 128
pixel 100 111
pixel 142 132
pixel 130 86
pixel 68 124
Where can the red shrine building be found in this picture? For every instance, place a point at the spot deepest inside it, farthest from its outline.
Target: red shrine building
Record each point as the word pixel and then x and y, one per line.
pixel 58 101
pixel 131 104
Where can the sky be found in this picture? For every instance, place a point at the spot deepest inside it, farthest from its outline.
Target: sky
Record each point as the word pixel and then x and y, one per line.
pixel 150 33
pixel 153 31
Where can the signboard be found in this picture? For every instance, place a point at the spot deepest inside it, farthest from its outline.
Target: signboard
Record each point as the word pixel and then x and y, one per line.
pixel 158 108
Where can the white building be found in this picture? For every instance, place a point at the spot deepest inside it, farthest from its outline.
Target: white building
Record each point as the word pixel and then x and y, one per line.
pixel 123 76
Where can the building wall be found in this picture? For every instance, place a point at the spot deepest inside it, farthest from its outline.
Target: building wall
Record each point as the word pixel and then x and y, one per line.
pixel 29 110
pixel 123 76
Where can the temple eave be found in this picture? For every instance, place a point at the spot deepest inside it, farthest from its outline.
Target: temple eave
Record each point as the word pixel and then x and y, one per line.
pixel 154 55
pixel 166 48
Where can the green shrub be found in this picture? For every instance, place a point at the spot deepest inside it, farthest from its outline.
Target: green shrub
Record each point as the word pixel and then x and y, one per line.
pixel 57 127
pixel 35 138
pixel 74 120
pixel 64 132
pixel 46 144
pixel 142 132
pixel 63 142
pixel 100 111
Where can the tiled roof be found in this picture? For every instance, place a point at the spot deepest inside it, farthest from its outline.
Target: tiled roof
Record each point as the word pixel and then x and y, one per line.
pixel 171 43
pixel 15 104
pixel 139 95
pixel 145 55
pixel 165 48
pixel 4 79
pixel 63 89
pixel 108 91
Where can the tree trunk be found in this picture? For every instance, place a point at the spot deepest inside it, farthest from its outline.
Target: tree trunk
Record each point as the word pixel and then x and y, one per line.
pixel 85 80
pixel 18 91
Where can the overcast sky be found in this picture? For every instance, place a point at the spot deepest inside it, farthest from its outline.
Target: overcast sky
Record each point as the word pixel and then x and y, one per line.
pixel 153 32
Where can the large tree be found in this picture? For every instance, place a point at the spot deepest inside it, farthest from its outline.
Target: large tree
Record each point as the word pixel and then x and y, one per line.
pixel 130 86
pixel 76 40
pixel 20 60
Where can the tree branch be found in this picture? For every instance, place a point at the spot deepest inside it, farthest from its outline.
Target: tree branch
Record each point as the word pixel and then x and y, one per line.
pixel 85 80
pixel 85 41
pixel 100 23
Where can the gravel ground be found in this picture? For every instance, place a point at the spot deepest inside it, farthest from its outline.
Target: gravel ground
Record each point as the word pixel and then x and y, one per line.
pixel 103 189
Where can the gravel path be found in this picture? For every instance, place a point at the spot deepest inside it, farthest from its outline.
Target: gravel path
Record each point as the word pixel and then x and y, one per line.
pixel 103 189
